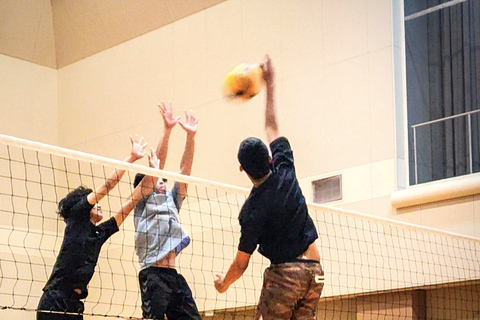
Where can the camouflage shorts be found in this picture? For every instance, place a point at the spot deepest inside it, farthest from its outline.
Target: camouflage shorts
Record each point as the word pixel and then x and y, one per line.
pixel 291 291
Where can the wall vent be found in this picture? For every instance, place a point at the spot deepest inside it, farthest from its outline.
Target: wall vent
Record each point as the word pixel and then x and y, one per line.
pixel 327 189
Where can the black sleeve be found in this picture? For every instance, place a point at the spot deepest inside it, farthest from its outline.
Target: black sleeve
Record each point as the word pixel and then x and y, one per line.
pixel 107 228
pixel 281 152
pixel 82 206
pixel 251 226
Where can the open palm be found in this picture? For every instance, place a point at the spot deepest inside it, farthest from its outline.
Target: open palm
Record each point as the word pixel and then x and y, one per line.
pixel 191 122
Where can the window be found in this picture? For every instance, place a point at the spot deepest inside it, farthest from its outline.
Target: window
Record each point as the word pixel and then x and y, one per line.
pixel 442 41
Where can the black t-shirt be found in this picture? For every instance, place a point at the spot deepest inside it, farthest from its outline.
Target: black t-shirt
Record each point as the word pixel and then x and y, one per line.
pixel 79 253
pixel 275 214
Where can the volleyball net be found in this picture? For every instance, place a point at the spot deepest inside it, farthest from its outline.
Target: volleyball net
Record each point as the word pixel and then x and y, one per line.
pixel 374 268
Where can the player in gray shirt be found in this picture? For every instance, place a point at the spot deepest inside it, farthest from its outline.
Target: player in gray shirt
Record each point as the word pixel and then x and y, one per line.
pixel 159 237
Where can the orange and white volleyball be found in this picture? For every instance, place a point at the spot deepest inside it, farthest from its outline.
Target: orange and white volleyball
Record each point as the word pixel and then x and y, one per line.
pixel 243 82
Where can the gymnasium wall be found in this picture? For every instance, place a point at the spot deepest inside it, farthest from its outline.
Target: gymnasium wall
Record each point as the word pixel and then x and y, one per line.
pixel 339 91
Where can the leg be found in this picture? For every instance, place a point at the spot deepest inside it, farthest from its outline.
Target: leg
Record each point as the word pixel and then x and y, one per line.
pixel 280 292
pixel 306 308
pixel 155 292
pixel 182 305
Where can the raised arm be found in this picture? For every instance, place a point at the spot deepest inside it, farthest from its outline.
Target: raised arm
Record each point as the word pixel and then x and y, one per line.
pixel 271 121
pixel 137 152
pixel 190 126
pixel 168 123
pixel 143 189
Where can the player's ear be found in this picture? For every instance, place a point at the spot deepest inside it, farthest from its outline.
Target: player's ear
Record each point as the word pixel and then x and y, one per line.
pixel 270 160
pixel 240 168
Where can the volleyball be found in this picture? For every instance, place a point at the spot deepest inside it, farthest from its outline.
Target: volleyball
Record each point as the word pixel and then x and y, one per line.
pixel 243 82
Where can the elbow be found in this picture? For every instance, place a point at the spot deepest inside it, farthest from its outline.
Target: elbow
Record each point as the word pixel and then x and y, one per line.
pixel 241 266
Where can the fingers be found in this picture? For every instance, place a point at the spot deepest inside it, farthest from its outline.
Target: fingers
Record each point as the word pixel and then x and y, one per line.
pixel 190 119
pixel 153 160
pixel 162 107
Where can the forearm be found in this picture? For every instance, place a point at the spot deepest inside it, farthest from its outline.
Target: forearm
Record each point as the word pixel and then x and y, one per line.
pixel 117 174
pixel 233 274
pixel 187 157
pixel 162 147
pixel 271 121
pixel 110 183
pixel 236 270
pixel 142 190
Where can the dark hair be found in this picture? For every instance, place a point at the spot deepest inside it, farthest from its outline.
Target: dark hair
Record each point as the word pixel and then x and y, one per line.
pixel 70 208
pixel 254 158
pixel 138 179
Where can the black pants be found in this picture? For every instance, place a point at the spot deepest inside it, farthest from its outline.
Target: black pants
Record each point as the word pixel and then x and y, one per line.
pixel 165 292
pixel 53 300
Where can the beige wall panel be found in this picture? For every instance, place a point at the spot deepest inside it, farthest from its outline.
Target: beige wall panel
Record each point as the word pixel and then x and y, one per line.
pixel 455 215
pixel 347 37
pixel 262 31
pixel 379 24
pixel 83 28
pixel 376 207
pixel 381 100
pixel 190 62
pixel 410 215
pixel 302 118
pixel 224 46
pixel 220 135
pixel 28 103
pixel 179 9
pixel 26 31
pixel 347 114
pixel 302 39
pixel 476 214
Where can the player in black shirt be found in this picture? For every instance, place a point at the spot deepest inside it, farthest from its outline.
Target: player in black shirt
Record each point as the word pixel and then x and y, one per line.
pixel 275 218
pixel 83 240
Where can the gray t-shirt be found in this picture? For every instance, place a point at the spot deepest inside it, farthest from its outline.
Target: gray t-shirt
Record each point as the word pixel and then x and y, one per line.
pixel 157 228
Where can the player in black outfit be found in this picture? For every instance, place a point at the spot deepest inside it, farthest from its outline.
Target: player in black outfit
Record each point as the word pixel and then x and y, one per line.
pixel 275 218
pixel 83 240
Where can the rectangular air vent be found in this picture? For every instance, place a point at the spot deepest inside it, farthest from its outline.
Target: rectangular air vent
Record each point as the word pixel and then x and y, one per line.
pixel 327 189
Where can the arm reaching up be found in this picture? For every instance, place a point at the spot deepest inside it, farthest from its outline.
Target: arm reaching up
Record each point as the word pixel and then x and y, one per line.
pixel 143 189
pixel 168 123
pixel 137 152
pixel 190 126
pixel 271 121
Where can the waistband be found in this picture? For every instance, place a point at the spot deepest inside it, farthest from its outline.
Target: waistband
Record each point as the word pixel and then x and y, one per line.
pixel 296 260
pixel 153 269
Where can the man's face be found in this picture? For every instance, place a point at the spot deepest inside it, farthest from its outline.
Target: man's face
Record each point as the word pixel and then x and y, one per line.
pixel 161 186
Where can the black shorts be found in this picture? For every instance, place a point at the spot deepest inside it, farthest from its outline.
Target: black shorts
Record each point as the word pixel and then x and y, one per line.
pixel 54 300
pixel 165 292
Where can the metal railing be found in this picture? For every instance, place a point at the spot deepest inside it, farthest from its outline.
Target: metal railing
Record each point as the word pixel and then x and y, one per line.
pixel 469 133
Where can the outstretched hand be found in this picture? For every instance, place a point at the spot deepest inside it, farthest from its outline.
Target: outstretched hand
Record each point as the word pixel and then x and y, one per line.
pixel 138 148
pixel 191 122
pixel 166 111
